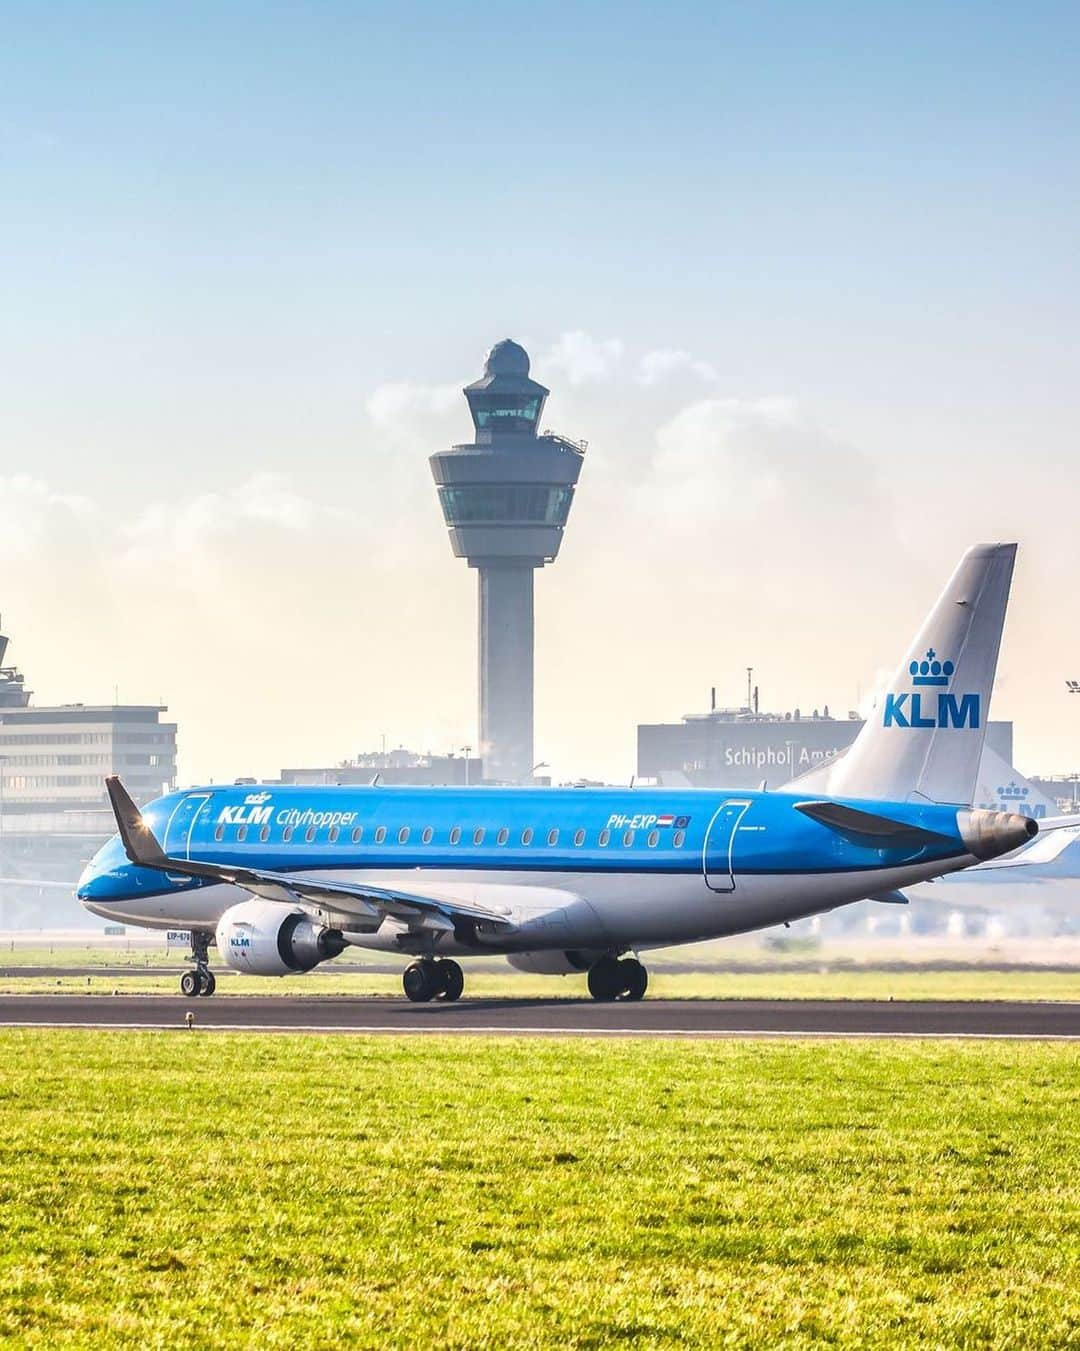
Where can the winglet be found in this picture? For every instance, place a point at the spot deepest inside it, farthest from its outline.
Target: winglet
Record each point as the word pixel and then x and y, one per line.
pixel 138 839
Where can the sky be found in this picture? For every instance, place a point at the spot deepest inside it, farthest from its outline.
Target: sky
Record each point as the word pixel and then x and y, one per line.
pixel 804 275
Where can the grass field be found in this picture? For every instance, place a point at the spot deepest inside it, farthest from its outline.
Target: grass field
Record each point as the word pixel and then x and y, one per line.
pixel 181 1190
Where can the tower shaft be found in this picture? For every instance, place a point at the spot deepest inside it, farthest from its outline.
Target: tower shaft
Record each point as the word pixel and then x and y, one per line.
pixel 506 671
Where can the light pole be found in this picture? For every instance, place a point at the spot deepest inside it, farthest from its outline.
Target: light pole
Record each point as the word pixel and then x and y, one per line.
pixel 466 750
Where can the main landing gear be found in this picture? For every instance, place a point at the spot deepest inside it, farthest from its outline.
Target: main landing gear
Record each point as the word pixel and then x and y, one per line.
pixel 432 978
pixel 200 981
pixel 610 979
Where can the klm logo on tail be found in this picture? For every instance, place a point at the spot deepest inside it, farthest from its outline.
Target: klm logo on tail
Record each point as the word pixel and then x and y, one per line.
pixel 920 708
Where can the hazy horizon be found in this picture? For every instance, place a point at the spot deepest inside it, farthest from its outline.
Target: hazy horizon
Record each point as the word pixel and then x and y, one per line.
pixel 806 282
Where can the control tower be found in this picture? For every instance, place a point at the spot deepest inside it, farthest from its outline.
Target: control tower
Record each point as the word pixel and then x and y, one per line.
pixel 505 497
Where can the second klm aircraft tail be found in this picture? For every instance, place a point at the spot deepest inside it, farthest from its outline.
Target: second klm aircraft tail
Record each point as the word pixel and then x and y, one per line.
pixel 924 739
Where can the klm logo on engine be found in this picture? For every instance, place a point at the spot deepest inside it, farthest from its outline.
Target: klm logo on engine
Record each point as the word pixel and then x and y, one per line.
pixel 931 704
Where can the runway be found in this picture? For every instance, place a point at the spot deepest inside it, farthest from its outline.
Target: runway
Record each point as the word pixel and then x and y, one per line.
pixel 551 1017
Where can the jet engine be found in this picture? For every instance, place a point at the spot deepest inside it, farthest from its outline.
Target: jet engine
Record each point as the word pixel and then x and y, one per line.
pixel 554 963
pixel 265 938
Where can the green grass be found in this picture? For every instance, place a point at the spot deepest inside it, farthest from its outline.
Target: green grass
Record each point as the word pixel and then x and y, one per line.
pixel 182 1190
pixel 973 983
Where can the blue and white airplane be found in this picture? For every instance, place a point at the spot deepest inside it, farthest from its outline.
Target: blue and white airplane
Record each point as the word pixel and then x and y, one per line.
pixel 563 880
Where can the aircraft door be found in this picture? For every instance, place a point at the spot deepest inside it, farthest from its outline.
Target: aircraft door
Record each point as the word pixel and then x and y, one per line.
pixel 177 841
pixel 718 857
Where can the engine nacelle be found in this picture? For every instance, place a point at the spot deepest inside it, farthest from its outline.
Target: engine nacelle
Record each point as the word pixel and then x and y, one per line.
pixel 556 962
pixel 266 939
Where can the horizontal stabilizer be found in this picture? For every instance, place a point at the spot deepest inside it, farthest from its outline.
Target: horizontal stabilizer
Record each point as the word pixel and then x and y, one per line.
pixel 890 898
pixel 868 826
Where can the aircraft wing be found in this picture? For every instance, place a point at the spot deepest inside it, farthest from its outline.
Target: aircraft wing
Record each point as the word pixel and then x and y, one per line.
pixel 358 898
pixel 1055 835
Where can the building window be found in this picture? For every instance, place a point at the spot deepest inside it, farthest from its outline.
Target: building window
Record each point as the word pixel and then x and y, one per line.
pixel 579 838
pixel 425 838
pixel 286 834
pixel 553 837
pixel 527 835
pixel 628 838
pixel 654 838
pixel 219 833
pixel 680 835
pixel 358 834
pixel 309 834
pixel 502 836
pixel 455 835
pixel 241 834
pixel 478 835
pixel 403 835
pixel 264 834
pixel 380 834
pixel 603 838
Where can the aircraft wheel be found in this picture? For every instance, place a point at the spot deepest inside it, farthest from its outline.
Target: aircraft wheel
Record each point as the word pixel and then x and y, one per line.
pixel 605 979
pixel 208 984
pixel 635 979
pixel 420 981
pixel 190 984
pixel 452 981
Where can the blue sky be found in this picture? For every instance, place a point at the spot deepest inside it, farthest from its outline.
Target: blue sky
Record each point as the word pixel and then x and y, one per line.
pixel 224 229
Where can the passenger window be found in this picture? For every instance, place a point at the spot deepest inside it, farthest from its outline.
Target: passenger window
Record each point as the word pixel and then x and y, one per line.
pixel 603 838
pixel 309 834
pixel 264 834
pixel 455 835
pixel 358 834
pixel 286 834
pixel 628 838
pixel 335 831
pixel 380 834
pixel 654 838
pixel 680 835
pixel 241 834
pixel 219 834
pixel 527 835
pixel 553 837
pixel 502 836
pixel 579 838
pixel 403 835
pixel 478 835
pixel 426 837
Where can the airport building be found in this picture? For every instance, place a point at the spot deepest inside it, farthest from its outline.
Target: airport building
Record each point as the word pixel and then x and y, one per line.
pixel 398 766
pixel 54 813
pixel 506 497
pixel 743 747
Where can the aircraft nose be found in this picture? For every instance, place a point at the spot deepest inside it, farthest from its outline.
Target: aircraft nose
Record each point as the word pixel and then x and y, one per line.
pixel 991 834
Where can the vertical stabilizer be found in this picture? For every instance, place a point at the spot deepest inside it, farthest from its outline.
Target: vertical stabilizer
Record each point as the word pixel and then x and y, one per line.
pixel 925 737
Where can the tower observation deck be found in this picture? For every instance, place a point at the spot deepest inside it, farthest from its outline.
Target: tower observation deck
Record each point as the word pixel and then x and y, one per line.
pixel 506 497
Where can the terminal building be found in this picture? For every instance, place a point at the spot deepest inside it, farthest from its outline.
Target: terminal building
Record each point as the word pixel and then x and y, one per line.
pixel 741 747
pixel 398 766
pixel 54 813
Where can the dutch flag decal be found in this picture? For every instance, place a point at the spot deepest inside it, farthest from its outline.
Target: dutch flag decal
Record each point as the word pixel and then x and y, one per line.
pixel 665 820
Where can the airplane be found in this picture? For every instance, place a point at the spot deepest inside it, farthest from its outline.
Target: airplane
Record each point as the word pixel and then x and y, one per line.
pixel 576 880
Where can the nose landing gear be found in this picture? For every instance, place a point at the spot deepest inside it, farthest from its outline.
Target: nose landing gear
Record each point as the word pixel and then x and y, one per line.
pixel 200 981
pixel 610 979
pixel 433 979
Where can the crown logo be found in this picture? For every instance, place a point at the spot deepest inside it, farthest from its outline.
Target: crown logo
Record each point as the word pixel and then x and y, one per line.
pixel 256 799
pixel 1012 792
pixel 930 671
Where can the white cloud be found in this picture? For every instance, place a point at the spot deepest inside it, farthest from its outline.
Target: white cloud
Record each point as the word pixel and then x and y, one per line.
pixel 584 358
pixel 655 367
pixel 32 513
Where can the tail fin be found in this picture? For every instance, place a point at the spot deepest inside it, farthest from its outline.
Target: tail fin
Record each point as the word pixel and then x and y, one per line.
pixel 925 737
